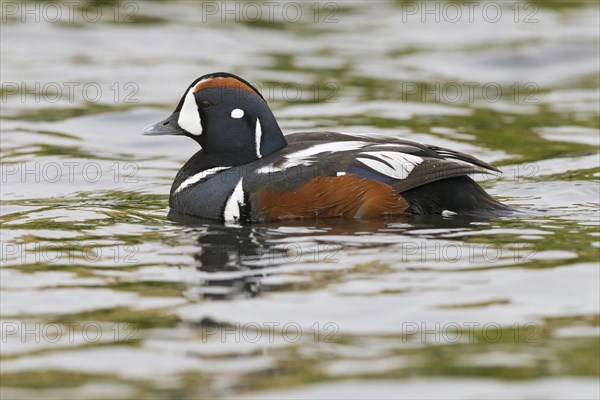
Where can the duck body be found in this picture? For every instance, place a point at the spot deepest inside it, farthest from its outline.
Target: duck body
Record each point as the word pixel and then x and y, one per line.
pixel 247 171
pixel 324 175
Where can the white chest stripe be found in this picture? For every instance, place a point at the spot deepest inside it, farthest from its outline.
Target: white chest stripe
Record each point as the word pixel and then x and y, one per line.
pixel 258 137
pixel 234 204
pixel 199 176
pixel 400 164
pixel 189 117
pixel 303 157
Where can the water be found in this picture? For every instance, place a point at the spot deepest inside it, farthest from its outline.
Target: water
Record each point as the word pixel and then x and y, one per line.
pixel 105 296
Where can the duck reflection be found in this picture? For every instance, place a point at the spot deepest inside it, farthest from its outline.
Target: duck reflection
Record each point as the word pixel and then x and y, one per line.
pixel 241 256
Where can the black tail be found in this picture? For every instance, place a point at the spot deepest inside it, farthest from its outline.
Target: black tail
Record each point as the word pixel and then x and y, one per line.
pixel 460 195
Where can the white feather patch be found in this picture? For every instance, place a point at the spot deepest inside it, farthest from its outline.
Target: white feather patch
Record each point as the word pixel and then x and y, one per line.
pixel 189 117
pixel 234 204
pixel 400 164
pixel 198 177
pixel 303 157
pixel 258 137
pixel 237 113
pixel 387 145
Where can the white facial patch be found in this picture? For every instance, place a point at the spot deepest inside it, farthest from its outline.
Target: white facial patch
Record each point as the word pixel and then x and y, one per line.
pixel 189 116
pixel 258 138
pixel 393 164
pixel 234 204
pixel 237 113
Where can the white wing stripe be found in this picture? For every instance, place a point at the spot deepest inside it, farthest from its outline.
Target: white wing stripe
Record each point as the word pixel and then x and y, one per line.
pixel 303 157
pixel 400 164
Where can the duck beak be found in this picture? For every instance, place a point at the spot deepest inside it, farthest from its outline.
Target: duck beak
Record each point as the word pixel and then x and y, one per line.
pixel 168 126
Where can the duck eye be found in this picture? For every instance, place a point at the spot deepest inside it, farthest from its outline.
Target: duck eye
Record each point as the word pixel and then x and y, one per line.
pixel 205 104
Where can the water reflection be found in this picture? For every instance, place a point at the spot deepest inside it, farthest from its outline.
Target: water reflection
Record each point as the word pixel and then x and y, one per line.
pixel 239 257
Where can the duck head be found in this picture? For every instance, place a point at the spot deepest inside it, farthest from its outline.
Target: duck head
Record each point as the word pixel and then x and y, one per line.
pixel 227 116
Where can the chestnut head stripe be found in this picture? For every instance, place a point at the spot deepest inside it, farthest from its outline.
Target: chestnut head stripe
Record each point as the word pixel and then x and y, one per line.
pixel 218 82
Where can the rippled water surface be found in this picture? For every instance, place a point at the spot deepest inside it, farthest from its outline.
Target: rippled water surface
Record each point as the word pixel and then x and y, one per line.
pixel 104 296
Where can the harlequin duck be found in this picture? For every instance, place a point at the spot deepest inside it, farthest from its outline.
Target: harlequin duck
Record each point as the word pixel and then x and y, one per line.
pixel 248 171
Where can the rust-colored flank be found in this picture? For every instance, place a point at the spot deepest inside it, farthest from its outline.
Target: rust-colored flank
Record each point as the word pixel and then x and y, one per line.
pixel 346 196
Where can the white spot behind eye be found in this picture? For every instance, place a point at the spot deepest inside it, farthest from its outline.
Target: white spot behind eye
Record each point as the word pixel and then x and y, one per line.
pixel 189 117
pixel 237 113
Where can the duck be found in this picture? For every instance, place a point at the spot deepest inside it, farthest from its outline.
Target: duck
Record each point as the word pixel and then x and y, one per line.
pixel 248 171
